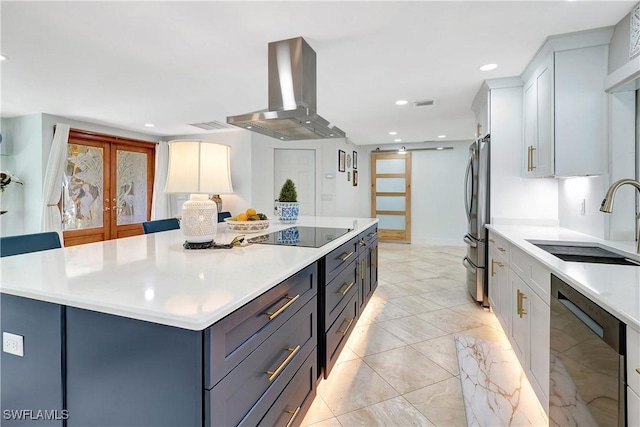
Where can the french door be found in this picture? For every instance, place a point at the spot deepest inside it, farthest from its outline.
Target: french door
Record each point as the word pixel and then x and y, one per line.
pixel 391 195
pixel 107 187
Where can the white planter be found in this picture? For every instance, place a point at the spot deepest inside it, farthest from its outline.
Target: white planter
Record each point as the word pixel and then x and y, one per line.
pixel 288 211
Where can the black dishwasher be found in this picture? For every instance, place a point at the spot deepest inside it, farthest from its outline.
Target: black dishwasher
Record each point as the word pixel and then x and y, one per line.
pixel 587 384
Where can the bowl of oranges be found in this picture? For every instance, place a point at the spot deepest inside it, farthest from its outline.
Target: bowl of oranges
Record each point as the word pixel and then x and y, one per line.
pixel 248 221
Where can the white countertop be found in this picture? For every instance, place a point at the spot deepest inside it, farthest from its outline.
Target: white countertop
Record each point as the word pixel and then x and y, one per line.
pixel 616 288
pixel 153 278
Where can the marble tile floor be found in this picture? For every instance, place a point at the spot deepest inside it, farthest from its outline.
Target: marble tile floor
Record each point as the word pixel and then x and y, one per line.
pixel 400 364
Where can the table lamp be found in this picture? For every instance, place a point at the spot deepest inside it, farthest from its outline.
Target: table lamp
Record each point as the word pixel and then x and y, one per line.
pixel 199 168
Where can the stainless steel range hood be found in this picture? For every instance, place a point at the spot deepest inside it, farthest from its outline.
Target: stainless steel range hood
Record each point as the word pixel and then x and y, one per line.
pixel 292 97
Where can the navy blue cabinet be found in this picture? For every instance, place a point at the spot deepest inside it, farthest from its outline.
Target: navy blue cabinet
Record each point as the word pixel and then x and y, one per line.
pixel 32 382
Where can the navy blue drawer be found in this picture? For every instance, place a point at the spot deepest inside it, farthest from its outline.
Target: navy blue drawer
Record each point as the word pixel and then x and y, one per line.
pixel 366 237
pixel 232 339
pixel 339 291
pixel 295 400
pixel 340 257
pixel 338 333
pixel 267 370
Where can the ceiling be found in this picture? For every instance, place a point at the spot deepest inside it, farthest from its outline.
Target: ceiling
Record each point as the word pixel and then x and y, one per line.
pixel 124 64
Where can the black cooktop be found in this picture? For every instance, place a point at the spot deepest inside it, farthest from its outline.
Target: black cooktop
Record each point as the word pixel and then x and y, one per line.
pixel 310 237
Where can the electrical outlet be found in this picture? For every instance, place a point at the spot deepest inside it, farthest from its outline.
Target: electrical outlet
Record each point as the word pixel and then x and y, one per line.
pixel 13 344
pixel 582 207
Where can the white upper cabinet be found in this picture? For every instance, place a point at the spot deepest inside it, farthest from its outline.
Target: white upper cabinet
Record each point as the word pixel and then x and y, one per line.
pixel 565 106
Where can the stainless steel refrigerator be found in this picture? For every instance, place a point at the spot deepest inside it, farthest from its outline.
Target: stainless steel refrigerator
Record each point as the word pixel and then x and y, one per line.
pixel 476 202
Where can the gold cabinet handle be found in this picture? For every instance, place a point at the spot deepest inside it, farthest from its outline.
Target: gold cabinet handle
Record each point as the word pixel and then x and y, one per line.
pixel 638 370
pixel 520 310
pixel 492 241
pixel 370 235
pixel 532 160
pixel 501 249
pixel 106 208
pixel 362 243
pixel 362 269
pixel 294 414
pixel 273 315
pixel 374 261
pixel 344 257
pixel 345 330
pixel 529 158
pixel 349 285
pixel 292 353
pixel 493 263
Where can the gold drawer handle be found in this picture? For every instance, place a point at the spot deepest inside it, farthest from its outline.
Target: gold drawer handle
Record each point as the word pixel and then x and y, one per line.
pixel 294 414
pixel 292 353
pixel 273 315
pixel 370 235
pixel 362 243
pixel 501 249
pixel 492 241
pixel 345 330
pixel 346 256
pixel 349 285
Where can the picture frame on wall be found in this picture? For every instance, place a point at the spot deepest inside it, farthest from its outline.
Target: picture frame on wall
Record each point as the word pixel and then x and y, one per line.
pixel 341 161
pixel 355 177
pixel 355 160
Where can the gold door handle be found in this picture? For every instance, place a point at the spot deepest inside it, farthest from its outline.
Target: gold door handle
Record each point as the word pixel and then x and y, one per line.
pixel 115 208
pixel 294 414
pixel 292 352
pixel 529 158
pixel 106 208
pixel 273 315
pixel 345 330
pixel 478 130
pixel 349 285
pixel 374 259
pixel 362 269
pixel 344 257
pixel 115 200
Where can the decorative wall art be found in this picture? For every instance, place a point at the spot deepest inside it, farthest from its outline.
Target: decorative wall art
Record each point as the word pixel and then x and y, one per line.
pixel 341 161
pixel 355 160
pixel 348 161
pixel 355 177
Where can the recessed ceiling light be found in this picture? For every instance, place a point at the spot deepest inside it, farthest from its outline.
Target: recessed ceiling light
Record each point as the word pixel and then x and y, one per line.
pixel 308 121
pixel 248 127
pixel 402 102
pixel 149 125
pixel 393 132
pixel 488 67
pixel 442 136
pixel 440 148
pixel 397 140
pixel 2 57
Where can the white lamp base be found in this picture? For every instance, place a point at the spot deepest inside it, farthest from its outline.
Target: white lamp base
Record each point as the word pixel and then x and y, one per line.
pixel 199 219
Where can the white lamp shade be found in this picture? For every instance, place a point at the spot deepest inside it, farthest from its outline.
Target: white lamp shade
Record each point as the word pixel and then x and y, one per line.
pixel 198 167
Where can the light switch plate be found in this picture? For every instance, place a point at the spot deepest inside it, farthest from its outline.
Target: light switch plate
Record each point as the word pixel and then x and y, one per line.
pixel 13 344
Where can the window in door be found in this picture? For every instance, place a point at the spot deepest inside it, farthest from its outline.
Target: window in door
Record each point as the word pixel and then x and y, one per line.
pixel 391 195
pixel 107 187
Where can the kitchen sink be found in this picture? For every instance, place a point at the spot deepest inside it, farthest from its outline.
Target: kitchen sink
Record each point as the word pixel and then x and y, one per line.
pixel 592 254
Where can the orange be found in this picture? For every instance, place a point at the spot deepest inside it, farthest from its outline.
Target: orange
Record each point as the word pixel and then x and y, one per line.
pixel 242 217
pixel 251 212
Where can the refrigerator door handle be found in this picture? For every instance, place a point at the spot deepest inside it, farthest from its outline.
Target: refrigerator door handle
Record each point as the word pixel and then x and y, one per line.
pixel 468 198
pixel 469 265
pixel 470 241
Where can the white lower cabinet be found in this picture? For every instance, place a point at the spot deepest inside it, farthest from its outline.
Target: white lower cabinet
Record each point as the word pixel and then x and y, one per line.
pixel 520 291
pixel 633 408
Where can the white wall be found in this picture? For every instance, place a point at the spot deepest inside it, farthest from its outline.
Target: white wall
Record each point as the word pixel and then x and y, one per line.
pixel 515 199
pixel 22 144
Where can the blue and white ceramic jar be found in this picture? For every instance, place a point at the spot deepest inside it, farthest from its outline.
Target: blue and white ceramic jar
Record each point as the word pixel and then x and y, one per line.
pixel 288 211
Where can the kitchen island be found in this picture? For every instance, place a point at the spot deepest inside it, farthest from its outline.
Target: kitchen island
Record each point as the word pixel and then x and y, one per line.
pixel 140 331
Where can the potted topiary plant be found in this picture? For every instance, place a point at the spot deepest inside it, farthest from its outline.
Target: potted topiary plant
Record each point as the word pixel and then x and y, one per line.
pixel 287 205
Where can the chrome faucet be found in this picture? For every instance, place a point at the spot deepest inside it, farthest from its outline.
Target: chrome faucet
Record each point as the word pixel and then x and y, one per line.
pixel 607 203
